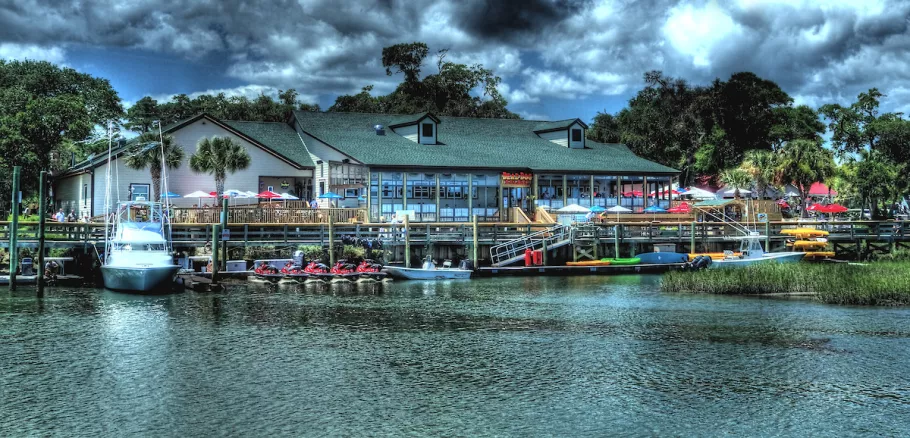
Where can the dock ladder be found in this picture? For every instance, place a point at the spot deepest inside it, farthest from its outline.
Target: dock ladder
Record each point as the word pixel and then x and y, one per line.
pixel 514 250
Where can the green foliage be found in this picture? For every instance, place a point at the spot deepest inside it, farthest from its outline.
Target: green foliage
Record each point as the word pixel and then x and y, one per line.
pixel 147 154
pixel 263 108
pixel 44 111
pixel 872 177
pixel 760 165
pixel 24 218
pixel 351 252
pixel 875 284
pixel 803 162
pixel 448 92
pixel 737 178
pixel 605 129
pixel 219 156
pixel 312 252
pixel 60 252
pixel 261 252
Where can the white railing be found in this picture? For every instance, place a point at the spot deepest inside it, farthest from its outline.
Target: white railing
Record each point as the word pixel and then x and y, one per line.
pixel 514 248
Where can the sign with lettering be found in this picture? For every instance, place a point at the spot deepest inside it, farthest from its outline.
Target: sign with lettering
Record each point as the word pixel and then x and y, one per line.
pixel 518 179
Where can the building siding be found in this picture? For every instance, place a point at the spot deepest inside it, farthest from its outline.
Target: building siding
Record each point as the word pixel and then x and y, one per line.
pixel 560 137
pixel 576 144
pixel 320 151
pixel 430 139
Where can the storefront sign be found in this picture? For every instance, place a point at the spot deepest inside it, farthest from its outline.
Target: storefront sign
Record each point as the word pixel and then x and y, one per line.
pixel 519 179
pixel 285 185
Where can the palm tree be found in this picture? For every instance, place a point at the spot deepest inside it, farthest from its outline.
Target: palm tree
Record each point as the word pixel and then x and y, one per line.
pixel 761 166
pixel 738 178
pixel 803 162
pixel 219 156
pixel 147 154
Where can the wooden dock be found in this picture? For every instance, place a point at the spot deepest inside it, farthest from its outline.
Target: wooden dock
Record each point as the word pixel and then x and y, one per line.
pixel 576 270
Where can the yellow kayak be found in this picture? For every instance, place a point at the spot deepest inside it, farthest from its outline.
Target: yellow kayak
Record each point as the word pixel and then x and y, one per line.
pixel 819 254
pixel 809 244
pixel 589 263
pixel 804 233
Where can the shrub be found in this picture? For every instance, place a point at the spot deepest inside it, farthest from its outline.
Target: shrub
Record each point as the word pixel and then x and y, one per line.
pixel 312 252
pixel 351 252
pixel 261 252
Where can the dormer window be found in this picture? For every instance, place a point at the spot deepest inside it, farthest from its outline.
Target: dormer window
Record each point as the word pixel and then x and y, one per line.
pixel 576 135
pixel 426 130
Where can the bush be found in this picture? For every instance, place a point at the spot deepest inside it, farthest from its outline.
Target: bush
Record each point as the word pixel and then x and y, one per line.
pixel 351 252
pixel 261 252
pixel 312 252
pixel 59 252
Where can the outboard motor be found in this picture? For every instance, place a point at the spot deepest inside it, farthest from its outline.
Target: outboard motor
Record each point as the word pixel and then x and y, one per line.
pixel 466 264
pixel 298 258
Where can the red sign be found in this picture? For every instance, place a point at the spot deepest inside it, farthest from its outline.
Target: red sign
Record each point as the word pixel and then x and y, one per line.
pixel 519 179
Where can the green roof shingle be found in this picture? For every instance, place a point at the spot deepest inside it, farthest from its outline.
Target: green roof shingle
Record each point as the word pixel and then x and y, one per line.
pixel 468 143
pixel 277 136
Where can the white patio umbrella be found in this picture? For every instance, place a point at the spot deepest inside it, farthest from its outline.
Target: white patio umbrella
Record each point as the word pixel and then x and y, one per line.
pixel 733 191
pixel 618 209
pixel 574 208
pixel 287 197
pixel 199 194
pixel 698 193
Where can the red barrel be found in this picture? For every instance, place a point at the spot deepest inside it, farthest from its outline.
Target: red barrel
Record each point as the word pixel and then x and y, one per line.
pixel 528 257
pixel 538 257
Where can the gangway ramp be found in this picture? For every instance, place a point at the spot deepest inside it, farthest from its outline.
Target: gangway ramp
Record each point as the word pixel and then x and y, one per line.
pixel 514 250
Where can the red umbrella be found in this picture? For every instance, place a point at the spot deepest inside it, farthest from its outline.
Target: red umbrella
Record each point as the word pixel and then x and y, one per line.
pixel 268 195
pixel 633 193
pixel 681 208
pixel 832 208
pixel 814 207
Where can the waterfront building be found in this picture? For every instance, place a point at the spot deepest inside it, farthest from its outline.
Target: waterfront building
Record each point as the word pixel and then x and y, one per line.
pixel 433 168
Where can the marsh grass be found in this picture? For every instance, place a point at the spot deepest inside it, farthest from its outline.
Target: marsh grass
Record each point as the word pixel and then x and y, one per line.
pixel 874 284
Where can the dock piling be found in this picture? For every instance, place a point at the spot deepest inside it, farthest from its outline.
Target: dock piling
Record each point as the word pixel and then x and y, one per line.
pixel 331 240
pixel 41 222
pixel 215 262
pixel 474 242
pixel 224 221
pixel 14 230
pixel 407 242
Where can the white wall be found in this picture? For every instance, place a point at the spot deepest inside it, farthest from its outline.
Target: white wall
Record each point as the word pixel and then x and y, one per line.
pixel 69 194
pixel 415 132
pixel 430 139
pixel 409 132
pixel 320 151
pixel 183 180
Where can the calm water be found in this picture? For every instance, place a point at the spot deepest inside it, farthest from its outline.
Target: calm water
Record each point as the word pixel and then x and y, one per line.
pixel 586 356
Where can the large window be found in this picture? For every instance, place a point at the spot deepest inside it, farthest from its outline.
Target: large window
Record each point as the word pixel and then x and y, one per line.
pixel 85 195
pixel 427 130
pixel 347 174
pixel 138 191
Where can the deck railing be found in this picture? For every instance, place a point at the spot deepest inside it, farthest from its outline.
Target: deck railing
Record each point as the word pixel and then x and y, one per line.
pixel 271 215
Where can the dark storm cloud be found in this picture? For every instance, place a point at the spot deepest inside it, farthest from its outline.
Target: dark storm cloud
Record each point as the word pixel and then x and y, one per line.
pixel 511 19
pixel 545 48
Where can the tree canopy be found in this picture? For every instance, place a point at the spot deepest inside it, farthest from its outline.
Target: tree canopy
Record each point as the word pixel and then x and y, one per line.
pixel 454 90
pixel 46 113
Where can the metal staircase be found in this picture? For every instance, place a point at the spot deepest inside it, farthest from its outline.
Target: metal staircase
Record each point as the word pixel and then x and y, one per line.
pixel 514 250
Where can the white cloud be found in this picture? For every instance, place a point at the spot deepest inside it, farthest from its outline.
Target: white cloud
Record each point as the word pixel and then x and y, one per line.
pixel 35 52
pixel 695 32
pixel 554 84
pixel 515 97
pixel 533 116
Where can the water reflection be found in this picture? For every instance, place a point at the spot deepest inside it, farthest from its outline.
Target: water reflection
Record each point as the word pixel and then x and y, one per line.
pixel 517 356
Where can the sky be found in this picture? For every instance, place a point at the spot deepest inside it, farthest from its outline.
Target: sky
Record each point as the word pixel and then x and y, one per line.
pixel 558 59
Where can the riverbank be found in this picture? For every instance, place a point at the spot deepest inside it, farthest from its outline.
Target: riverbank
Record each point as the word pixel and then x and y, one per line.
pixel 872 284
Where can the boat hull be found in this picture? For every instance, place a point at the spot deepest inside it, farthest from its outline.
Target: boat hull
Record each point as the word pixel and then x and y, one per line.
pixel 790 257
pixel 427 274
pixel 138 279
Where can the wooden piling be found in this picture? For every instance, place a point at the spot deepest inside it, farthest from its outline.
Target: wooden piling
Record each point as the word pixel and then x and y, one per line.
pixel 474 242
pixel 692 239
pixel 14 230
pixel 331 240
pixel 41 237
pixel 215 263
pixel 407 242
pixel 224 221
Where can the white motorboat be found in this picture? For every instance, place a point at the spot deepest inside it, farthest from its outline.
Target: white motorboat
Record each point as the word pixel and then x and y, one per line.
pixel 752 253
pixel 429 271
pixel 137 250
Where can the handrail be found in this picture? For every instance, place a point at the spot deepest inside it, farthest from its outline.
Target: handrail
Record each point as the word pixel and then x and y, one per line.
pixel 511 249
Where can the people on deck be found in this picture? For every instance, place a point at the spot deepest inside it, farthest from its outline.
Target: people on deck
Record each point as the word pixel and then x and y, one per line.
pixel 59 216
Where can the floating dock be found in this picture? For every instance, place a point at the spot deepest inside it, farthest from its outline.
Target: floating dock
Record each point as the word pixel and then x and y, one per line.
pixel 577 270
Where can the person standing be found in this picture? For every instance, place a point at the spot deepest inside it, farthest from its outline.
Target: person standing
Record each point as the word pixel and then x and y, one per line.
pixel 60 217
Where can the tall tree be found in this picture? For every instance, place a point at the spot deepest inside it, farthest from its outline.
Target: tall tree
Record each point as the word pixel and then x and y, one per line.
pixel 744 109
pixel 875 178
pixel 451 91
pixel 792 123
pixel 219 156
pixel 802 163
pixel 46 112
pixel 605 129
pixel 147 153
pixel 142 115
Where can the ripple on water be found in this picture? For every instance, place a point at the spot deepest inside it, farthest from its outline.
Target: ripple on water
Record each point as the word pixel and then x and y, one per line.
pixel 526 356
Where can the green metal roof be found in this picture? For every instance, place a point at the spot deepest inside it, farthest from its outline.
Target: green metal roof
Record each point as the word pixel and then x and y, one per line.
pixel 468 143
pixel 277 136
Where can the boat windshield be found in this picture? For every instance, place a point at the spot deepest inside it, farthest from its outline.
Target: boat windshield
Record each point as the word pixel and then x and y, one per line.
pixel 751 245
pixel 135 246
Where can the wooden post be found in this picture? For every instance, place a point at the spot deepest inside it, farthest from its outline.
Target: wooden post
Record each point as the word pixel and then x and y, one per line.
pixel 471 197
pixel 591 193
pixel 438 213
pixel 767 236
pixel 544 252
pixel 474 242
pixel 565 191
pixel 379 196
pixel 331 241
pixel 404 190
pixel 41 222
pixel 215 263
pixel 618 190
pixel 407 241
pixel 14 230
pixel 692 239
pixel 224 221
pixel 616 241
pixel 596 242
